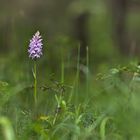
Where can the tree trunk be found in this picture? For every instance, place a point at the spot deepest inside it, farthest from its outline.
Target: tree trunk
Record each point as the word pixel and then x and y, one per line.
pixel 81 33
pixel 119 13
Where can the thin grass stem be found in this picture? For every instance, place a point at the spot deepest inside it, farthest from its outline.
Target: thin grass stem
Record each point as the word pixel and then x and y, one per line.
pixel 35 83
pixel 87 74
pixel 62 68
pixel 76 80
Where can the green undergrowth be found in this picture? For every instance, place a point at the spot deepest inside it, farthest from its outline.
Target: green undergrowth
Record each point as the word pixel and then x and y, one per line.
pixel 104 106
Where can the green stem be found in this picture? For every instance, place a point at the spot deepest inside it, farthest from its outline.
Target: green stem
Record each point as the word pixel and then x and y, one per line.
pixel 78 73
pixel 58 100
pixel 76 81
pixel 87 74
pixel 62 70
pixel 35 83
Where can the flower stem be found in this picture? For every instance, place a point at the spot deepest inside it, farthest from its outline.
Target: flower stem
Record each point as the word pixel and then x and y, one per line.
pixel 35 83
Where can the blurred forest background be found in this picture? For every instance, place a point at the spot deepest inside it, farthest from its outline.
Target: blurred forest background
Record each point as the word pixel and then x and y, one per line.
pixel 110 28
pixel 100 85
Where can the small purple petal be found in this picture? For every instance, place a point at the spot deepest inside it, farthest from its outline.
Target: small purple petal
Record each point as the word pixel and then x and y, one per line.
pixel 35 46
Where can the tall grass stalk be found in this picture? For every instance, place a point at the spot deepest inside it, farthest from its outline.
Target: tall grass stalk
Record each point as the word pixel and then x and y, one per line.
pixel 62 67
pixel 76 80
pixel 87 74
pixel 78 72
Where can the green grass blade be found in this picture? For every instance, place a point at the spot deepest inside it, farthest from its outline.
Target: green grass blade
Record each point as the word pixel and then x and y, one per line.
pixel 7 129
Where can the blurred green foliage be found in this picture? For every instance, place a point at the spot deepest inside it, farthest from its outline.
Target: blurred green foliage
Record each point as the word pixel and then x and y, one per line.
pixel 96 100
